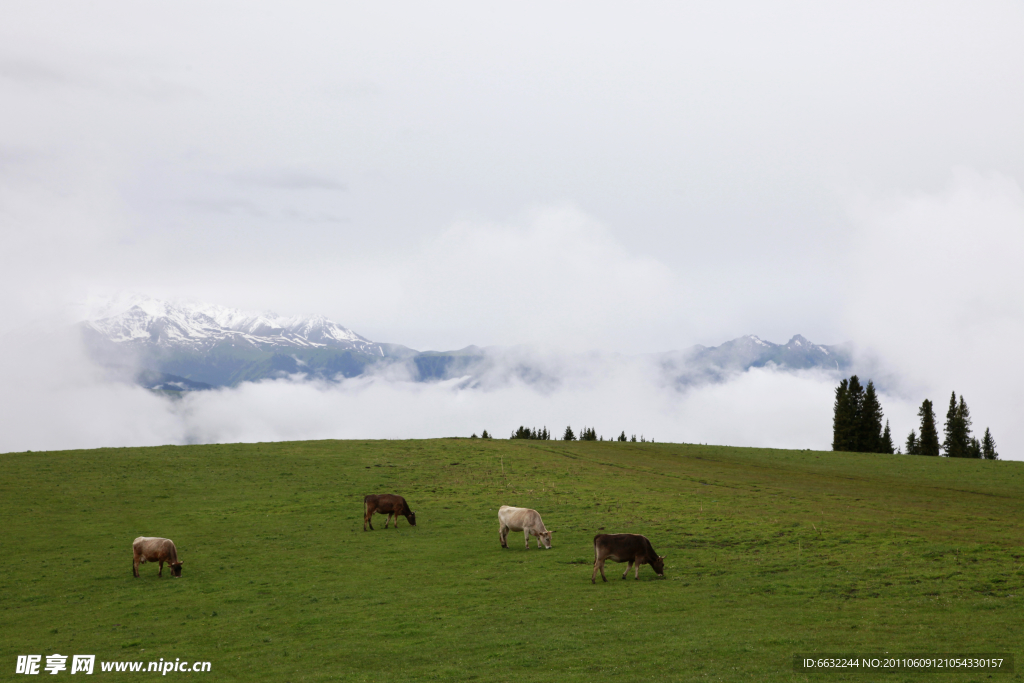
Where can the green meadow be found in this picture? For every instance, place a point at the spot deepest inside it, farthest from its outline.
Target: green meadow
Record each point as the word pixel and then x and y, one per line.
pixel 769 553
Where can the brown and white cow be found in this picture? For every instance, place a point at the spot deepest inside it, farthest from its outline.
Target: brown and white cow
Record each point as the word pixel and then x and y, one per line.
pixel 631 548
pixel 151 549
pixel 386 504
pixel 522 519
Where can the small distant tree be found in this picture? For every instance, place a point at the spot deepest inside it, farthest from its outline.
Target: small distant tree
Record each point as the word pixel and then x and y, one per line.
pixel 633 438
pixel 568 435
pixel 887 445
pixel 474 436
pixel 974 448
pixel 485 435
pixel 588 434
pixel 622 436
pixel 988 446
pixel 928 442
pixel 912 447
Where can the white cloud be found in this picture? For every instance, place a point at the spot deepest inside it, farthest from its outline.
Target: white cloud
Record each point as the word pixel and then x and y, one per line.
pixel 936 292
pixel 696 158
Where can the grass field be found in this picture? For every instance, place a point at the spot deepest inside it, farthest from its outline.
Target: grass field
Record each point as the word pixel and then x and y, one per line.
pixel 769 553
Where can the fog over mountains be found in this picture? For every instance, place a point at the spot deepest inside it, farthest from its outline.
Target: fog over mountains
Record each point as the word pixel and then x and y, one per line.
pixel 188 346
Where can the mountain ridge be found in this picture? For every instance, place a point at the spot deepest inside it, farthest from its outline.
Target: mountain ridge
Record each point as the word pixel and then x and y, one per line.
pixel 188 346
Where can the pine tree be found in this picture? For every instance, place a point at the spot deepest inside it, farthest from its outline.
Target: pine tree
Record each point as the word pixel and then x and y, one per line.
pixel 870 428
pixel 568 436
pixel 928 442
pixel 913 447
pixel 988 446
pixel 964 423
pixel 958 429
pixel 485 435
pixel 887 446
pixel 622 436
pixel 841 426
pixel 632 439
pixel 474 436
pixel 974 448
pixel 856 414
pixel 951 446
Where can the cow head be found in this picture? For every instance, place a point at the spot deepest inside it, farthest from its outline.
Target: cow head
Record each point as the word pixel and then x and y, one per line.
pixel 659 566
pixel 176 569
pixel 545 538
pixel 411 516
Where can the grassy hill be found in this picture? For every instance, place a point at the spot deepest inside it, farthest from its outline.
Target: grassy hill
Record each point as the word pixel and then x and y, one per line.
pixel 769 553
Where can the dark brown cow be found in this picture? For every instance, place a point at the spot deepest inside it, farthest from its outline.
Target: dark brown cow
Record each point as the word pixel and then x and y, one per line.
pixel 150 549
pixel 631 548
pixel 386 504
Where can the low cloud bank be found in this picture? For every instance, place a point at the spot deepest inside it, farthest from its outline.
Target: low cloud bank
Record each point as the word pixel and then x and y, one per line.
pixel 57 400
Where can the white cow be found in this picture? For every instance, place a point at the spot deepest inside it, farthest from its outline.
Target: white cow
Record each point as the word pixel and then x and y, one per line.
pixel 522 519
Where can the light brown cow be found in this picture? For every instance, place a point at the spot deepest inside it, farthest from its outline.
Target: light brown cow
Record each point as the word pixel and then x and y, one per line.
pixel 152 549
pixel 631 548
pixel 386 504
pixel 522 519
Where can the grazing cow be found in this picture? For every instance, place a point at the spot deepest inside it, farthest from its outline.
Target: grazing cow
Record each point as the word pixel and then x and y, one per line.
pixel 151 549
pixel 522 519
pixel 386 504
pixel 631 548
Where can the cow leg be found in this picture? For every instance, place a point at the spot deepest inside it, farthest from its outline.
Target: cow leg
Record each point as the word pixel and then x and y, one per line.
pixel 593 574
pixel 161 572
pixel 603 577
pixel 135 567
pixel 503 535
pixel 628 567
pixel 526 533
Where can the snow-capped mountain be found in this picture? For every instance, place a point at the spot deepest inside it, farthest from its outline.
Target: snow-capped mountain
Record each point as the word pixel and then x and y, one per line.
pixel 140 320
pixel 700 364
pixel 188 346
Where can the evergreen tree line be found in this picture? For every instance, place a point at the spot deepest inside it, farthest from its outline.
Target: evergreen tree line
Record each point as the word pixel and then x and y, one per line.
pixel 959 442
pixel 857 426
pixel 857 419
pixel 523 433
pixel 588 434
pixel 542 434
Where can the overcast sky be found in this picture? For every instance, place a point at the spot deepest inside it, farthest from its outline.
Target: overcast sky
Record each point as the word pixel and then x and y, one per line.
pixel 581 175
